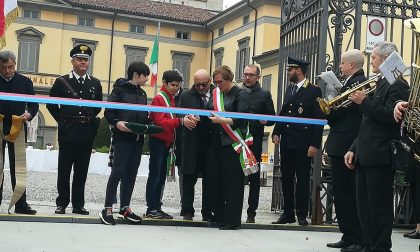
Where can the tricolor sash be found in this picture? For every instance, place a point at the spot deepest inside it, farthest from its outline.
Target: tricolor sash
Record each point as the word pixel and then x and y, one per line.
pixel 17 136
pixel 170 160
pixel 247 159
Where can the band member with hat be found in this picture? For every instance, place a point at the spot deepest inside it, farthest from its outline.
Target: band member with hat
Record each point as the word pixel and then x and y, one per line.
pixel 299 143
pixel 13 82
pixel 77 128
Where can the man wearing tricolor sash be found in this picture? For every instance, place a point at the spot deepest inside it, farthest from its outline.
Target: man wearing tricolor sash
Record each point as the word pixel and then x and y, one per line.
pixel 162 147
pixel 230 157
pixel 13 118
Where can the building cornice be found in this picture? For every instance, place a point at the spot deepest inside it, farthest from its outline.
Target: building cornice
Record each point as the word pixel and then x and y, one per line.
pixel 267 59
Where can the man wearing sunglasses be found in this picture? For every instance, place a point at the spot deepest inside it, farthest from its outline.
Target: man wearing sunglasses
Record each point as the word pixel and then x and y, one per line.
pixel 261 103
pixel 194 145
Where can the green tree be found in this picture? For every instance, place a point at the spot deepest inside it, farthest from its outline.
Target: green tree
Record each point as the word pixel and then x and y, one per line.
pixel 103 138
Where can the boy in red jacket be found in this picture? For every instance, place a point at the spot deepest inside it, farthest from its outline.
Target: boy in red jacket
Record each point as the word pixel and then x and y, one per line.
pixel 160 144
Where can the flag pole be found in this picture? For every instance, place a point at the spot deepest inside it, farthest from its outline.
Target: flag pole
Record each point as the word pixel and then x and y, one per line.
pixel 157 34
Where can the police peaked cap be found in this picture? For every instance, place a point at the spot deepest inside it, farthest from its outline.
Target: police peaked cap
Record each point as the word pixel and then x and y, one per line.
pixel 291 62
pixel 81 51
pixel 143 128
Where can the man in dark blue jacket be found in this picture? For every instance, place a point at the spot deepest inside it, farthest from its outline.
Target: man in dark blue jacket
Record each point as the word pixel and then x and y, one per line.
pixel 13 82
pixel 299 142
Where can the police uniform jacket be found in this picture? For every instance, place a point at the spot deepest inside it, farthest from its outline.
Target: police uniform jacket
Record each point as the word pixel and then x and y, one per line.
pixel 378 126
pixel 195 142
pixel 76 124
pixel 260 103
pixel 126 92
pixel 344 122
pixel 302 104
pixel 18 84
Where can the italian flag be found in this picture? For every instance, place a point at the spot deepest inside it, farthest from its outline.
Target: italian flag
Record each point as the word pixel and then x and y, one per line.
pixel 10 13
pixel 154 61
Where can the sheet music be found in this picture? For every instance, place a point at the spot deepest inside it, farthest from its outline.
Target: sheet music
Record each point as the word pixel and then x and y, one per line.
pixel 333 85
pixel 393 67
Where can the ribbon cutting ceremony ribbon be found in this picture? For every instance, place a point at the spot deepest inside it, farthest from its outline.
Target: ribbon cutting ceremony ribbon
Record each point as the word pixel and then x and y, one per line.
pixel 16 136
pixel 149 108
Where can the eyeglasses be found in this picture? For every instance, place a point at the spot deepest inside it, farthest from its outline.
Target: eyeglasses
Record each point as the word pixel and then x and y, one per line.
pixel 203 84
pixel 218 82
pixel 249 74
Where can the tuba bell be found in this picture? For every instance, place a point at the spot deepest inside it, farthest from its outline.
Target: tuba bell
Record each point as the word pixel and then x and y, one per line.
pixel 411 120
pixel 342 100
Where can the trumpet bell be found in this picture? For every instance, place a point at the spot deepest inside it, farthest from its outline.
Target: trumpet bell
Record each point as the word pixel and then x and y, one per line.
pixel 325 107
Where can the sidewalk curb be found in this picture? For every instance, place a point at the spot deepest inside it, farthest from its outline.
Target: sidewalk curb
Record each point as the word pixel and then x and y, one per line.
pixel 151 222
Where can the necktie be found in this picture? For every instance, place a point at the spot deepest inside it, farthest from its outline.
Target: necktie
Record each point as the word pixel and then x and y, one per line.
pixel 294 89
pixel 81 80
pixel 204 99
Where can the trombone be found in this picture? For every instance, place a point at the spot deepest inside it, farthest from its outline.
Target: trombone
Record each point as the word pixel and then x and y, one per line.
pixel 342 100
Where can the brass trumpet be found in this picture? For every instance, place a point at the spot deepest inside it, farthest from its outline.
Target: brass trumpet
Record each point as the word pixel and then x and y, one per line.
pixel 342 100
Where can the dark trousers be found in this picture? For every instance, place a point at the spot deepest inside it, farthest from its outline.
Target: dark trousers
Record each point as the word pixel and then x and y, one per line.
pixel 344 191
pixel 226 185
pixel 127 157
pixel 415 186
pixel 21 203
pixel 374 194
pixel 157 173
pixel 295 163
pixel 76 155
pixel 189 181
pixel 254 179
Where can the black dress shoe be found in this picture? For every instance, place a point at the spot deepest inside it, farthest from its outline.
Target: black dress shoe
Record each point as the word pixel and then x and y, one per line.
pixel 27 210
pixel 410 233
pixel 81 211
pixel 188 217
pixel 302 222
pixel 250 219
pixel 60 210
pixel 352 248
pixel 228 227
pixel 415 235
pixel 284 219
pixel 339 244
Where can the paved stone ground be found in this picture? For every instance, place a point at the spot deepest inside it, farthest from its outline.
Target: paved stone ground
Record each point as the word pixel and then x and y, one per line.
pixel 52 237
pixel 42 192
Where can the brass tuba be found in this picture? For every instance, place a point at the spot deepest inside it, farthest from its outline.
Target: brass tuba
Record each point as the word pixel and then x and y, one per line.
pixel 342 100
pixel 411 120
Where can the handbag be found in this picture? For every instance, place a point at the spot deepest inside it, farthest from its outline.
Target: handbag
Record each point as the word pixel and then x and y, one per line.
pixel 399 155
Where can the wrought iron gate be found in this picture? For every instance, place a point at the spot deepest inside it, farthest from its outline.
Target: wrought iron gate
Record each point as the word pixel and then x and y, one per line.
pixel 319 31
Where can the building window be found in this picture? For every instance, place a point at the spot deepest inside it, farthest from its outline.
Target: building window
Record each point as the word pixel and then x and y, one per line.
pixel 134 53
pixel 92 44
pixel 33 14
pixel 218 56
pixel 88 22
pixel 182 62
pixel 183 35
pixel 266 82
pixel 137 28
pixel 30 40
pixel 221 31
pixel 242 57
pixel 245 19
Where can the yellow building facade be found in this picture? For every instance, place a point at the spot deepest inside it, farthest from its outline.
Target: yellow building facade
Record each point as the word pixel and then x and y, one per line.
pixel 189 39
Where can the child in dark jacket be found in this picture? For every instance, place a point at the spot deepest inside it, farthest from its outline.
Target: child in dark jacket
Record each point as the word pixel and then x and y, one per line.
pixel 127 145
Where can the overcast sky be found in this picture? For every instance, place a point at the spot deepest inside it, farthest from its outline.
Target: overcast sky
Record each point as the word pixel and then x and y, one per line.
pixel 228 3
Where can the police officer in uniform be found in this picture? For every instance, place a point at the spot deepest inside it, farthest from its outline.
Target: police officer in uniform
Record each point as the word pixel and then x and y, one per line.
pixel 77 127
pixel 299 142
